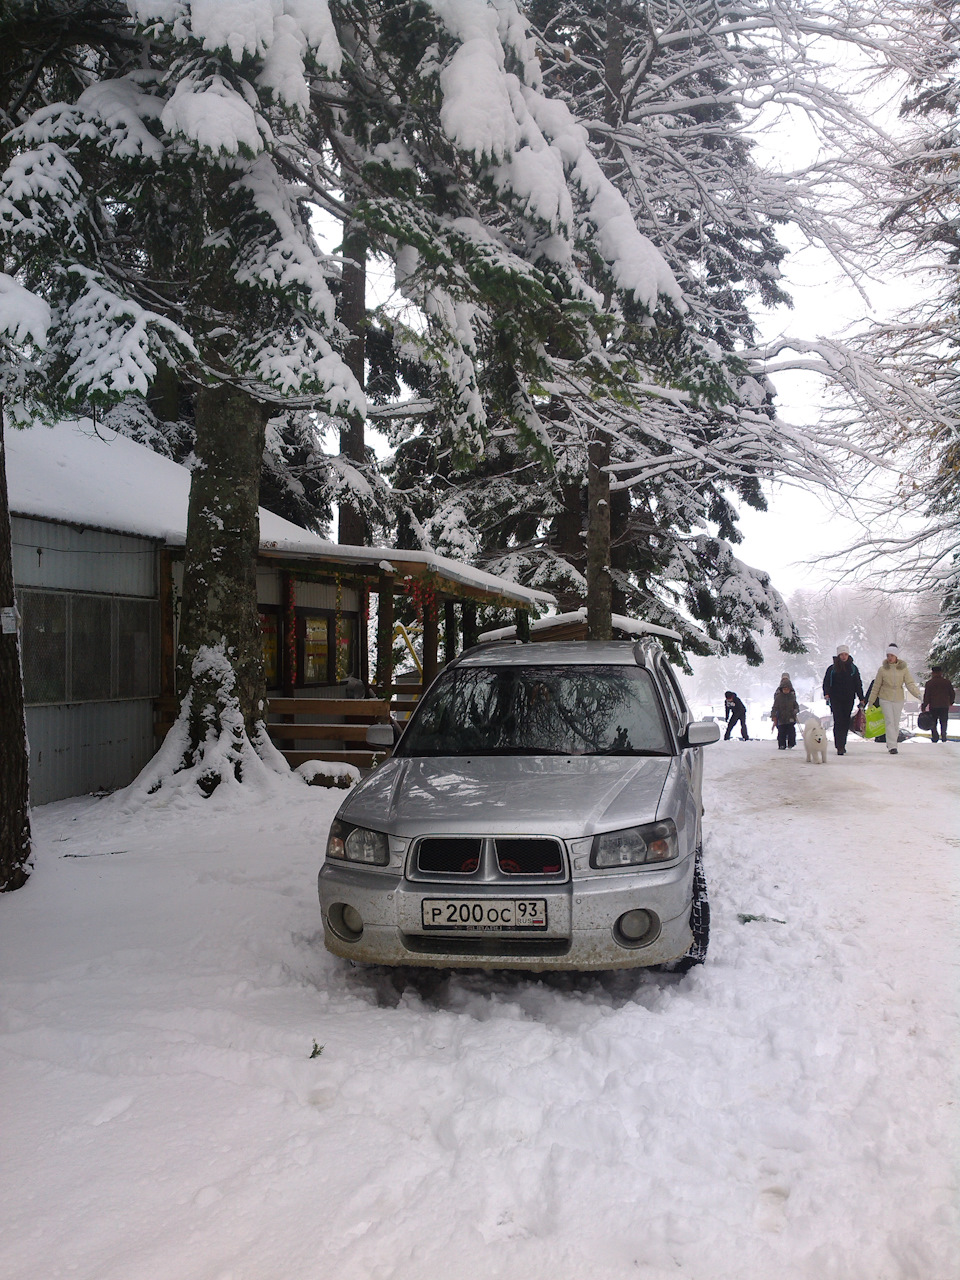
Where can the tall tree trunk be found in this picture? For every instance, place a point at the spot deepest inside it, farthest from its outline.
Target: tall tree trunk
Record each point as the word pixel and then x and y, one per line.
pixel 567 533
pixel 599 596
pixel 15 863
pixel 353 528
pixel 613 65
pixel 599 608
pixel 220 653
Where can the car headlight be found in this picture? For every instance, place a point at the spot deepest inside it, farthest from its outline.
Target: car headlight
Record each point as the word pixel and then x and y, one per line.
pixel 358 844
pixel 635 846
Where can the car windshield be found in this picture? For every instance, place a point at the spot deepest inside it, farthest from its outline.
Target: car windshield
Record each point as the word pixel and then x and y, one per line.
pixel 568 710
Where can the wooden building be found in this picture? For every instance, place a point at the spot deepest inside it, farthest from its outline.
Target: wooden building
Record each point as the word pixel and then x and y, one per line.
pixel 99 526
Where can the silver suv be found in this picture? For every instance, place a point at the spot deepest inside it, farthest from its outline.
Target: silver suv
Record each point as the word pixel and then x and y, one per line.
pixel 541 810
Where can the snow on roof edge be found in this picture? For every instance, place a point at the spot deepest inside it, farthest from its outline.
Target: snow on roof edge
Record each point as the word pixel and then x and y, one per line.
pixel 72 474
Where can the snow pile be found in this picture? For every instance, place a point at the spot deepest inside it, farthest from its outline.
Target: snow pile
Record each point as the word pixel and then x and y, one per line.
pixel 328 773
pixel 195 1089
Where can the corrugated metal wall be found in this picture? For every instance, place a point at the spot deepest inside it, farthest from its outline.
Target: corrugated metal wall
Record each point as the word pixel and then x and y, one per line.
pixel 85 746
pixel 62 557
pixel 88 746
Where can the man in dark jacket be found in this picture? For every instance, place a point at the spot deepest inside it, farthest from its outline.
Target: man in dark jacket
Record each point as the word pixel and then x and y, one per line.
pixel 842 687
pixel 939 696
pixel 734 713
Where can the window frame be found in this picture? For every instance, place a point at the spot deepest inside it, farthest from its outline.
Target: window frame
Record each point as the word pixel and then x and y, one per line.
pixel 114 602
pixel 301 613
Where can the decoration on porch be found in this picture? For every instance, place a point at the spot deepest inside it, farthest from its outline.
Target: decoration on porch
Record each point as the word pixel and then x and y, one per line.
pixel 290 629
pixel 339 638
pixel 424 599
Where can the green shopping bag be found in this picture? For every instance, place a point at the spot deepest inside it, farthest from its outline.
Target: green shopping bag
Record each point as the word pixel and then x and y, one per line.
pixel 874 725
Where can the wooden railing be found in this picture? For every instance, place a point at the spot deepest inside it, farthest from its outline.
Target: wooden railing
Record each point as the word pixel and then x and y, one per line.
pixel 340 721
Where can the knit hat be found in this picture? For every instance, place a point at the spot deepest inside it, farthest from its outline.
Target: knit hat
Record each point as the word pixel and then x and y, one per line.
pixel 892 648
pixel 784 675
pixel 843 649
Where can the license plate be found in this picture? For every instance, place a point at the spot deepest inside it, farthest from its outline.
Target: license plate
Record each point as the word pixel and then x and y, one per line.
pixel 489 915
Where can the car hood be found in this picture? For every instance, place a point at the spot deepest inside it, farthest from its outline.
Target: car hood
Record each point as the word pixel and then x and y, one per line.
pixel 565 796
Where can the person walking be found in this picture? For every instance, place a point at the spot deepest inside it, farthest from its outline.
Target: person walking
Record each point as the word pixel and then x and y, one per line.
pixel 887 690
pixel 734 713
pixel 785 713
pixel 939 696
pixel 842 687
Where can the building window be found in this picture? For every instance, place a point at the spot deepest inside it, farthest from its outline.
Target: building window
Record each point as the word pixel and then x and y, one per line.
pixel 90 636
pixel 316 650
pixel 348 647
pixel 137 645
pixel 316 658
pixel 81 647
pixel 270 634
pixel 44 646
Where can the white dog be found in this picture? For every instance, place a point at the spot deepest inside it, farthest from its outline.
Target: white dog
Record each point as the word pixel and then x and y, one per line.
pixel 815 741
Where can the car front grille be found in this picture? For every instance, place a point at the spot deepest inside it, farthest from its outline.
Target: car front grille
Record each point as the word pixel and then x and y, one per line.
pixel 430 945
pixel 531 857
pixel 451 857
pixel 522 857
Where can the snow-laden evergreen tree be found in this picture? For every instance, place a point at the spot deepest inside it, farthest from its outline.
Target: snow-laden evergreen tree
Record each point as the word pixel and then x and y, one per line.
pixel 37 42
pixel 918 451
pixel 661 427
pixel 164 212
pixel 153 213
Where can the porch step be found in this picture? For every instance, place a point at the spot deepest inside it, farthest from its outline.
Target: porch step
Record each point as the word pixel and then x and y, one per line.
pixel 348 732
pixel 359 707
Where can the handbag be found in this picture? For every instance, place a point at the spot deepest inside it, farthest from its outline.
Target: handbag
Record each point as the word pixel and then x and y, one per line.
pixel 873 725
pixel 926 720
pixel 858 722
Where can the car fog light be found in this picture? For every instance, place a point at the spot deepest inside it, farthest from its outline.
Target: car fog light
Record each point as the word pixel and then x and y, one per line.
pixel 636 928
pixel 353 919
pixel 345 921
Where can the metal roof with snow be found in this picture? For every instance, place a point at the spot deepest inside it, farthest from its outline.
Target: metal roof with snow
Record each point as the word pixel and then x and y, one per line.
pixel 77 473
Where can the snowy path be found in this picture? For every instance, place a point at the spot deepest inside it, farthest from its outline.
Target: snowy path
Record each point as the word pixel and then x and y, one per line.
pixel 786 1112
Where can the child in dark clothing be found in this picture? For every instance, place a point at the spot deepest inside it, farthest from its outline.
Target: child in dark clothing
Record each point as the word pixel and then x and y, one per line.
pixel 785 713
pixel 939 696
pixel 734 713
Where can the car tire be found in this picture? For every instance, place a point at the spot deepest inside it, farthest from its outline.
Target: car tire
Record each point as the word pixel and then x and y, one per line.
pixel 699 922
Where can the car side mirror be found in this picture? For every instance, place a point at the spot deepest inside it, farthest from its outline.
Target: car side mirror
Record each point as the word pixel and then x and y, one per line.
pixel 700 733
pixel 380 735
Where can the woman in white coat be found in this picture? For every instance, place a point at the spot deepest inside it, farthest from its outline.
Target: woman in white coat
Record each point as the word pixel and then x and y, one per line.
pixel 887 689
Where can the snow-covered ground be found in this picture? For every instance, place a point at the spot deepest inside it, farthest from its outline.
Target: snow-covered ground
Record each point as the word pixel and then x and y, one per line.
pixel 786 1111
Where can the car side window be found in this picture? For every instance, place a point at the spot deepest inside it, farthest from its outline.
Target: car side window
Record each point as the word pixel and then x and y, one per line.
pixel 676 707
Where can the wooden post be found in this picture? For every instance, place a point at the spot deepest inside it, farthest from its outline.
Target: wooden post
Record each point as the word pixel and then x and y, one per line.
pixel 431 639
pixel 468 613
pixel 523 625
pixel 385 635
pixel 449 631
pixel 287 635
pixel 363 641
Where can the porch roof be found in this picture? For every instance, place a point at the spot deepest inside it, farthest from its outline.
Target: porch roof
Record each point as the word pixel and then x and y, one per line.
pixel 77 473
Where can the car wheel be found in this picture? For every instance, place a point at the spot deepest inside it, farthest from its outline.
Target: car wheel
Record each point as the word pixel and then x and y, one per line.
pixel 699 922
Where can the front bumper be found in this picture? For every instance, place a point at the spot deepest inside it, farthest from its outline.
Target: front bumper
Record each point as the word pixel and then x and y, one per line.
pixel 581 915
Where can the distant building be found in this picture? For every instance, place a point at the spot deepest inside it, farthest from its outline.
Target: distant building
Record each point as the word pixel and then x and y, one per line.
pixel 98 529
